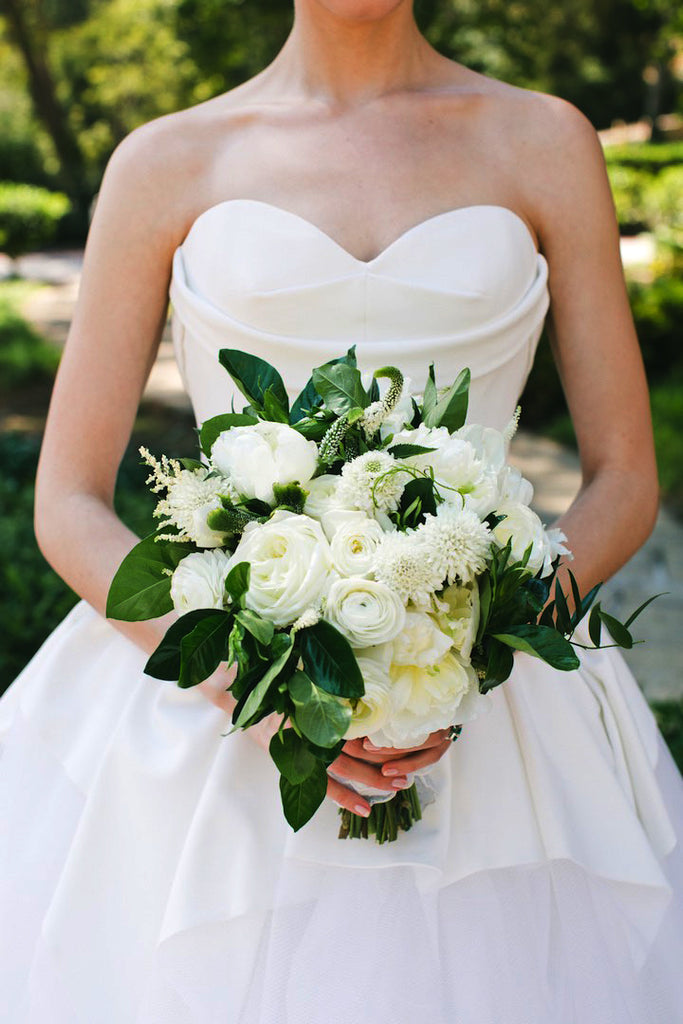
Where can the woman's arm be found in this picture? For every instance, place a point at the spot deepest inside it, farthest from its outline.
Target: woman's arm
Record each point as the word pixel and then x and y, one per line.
pixel 595 346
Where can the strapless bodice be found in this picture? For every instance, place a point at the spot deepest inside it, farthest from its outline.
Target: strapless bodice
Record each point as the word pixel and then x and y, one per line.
pixel 466 287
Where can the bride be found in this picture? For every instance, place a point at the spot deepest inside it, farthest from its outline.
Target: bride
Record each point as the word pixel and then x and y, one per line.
pixel 361 188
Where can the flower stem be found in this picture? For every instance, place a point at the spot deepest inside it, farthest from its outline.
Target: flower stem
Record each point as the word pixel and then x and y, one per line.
pixel 385 820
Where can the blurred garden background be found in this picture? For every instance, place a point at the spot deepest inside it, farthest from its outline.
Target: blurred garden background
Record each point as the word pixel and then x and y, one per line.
pixel 77 75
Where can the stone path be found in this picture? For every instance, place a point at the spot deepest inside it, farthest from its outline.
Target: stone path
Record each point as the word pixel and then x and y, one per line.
pixel 553 470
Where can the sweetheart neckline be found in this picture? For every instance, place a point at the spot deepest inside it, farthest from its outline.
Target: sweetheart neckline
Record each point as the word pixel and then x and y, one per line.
pixel 469 208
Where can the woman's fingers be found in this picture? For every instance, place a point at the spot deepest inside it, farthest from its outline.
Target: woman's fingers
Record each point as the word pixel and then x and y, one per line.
pixel 364 749
pixel 347 798
pixel 360 771
pixel 403 765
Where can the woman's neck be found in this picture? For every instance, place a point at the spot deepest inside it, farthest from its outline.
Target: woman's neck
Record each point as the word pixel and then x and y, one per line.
pixel 342 59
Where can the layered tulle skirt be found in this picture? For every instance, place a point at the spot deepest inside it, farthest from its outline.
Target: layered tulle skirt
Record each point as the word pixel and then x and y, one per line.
pixel 147 873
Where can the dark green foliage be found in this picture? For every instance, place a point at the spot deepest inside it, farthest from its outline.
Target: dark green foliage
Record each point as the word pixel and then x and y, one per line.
pixel 29 216
pixel 26 358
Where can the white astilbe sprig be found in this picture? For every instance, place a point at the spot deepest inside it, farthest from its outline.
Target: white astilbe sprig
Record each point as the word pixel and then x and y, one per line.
pixel 408 566
pixel 309 618
pixel 511 429
pixel 377 412
pixel 459 541
pixel 374 480
pixel 190 495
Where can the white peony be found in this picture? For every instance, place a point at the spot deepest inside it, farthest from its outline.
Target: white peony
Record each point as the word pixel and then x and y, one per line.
pixel 525 528
pixel 354 541
pixel 322 495
pixel 375 707
pixel 198 581
pixel 420 642
pixel 459 616
pixel 427 699
pixel 512 486
pixel 255 457
pixel 364 611
pixel 291 566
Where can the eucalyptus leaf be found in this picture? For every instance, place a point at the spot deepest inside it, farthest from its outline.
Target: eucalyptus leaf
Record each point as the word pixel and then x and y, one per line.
pixel 141 587
pixel 301 800
pixel 329 660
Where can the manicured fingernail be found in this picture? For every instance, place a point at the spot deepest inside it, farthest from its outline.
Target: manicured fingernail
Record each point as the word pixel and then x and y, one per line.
pixel 362 810
pixel 399 783
pixel 391 771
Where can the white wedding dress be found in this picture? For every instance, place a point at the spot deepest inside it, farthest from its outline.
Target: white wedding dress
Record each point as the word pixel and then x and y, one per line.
pixel 147 874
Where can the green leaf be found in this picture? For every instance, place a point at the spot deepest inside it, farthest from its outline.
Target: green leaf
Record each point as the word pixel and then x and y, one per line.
pixel 322 718
pixel 485 596
pixel 562 616
pixel 451 411
pixel 429 397
pixel 191 464
pixel 576 597
pixel 417 501
pixel 301 800
pixel 542 642
pixel 340 387
pixel 292 757
pixel 141 587
pixel 202 650
pixel 309 400
pixel 329 660
pixel 273 409
pixel 215 426
pixel 641 608
pixel 253 702
pixel 164 662
pixel 261 629
pixel 254 376
pixel 499 665
pixel 404 451
pixel 595 624
pixel 237 582
pixel 619 633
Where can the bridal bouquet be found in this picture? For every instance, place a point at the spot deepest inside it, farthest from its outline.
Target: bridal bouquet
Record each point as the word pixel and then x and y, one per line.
pixel 366 560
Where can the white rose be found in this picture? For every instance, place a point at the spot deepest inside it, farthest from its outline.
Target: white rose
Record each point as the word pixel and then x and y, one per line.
pixel 354 540
pixel 512 486
pixel 290 565
pixel 374 708
pixel 198 581
pixel 525 528
pixel 364 611
pixel 459 616
pixel 322 493
pixel 255 457
pixel 420 642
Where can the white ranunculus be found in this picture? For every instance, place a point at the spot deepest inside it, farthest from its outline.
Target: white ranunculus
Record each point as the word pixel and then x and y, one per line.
pixel 374 708
pixel 354 540
pixel 198 581
pixel 459 616
pixel 322 492
pixel 420 642
pixel 525 528
pixel 291 563
pixel 255 457
pixel 364 611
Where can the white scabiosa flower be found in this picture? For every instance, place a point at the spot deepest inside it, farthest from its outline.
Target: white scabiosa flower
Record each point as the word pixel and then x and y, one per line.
pixel 257 456
pixel 354 541
pixel 190 495
pixel 459 540
pixel 198 581
pixel 371 481
pixel 366 612
pixel 408 565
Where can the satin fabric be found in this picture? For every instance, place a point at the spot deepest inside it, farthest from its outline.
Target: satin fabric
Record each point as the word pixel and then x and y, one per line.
pixel 146 870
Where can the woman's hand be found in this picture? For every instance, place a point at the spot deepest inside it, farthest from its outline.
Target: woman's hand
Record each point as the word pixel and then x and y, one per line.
pixel 381 767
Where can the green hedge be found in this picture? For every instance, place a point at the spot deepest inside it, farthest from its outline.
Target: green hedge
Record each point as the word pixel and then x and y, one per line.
pixel 25 357
pixel 650 156
pixel 29 217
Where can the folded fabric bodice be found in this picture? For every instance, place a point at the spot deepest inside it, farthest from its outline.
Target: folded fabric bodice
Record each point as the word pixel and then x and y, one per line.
pixel 466 287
